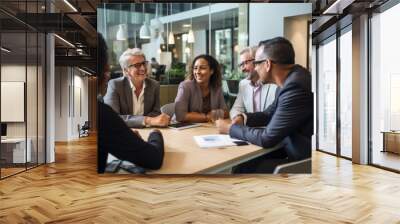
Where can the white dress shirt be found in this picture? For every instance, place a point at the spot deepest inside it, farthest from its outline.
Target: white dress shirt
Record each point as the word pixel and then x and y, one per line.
pixel 138 102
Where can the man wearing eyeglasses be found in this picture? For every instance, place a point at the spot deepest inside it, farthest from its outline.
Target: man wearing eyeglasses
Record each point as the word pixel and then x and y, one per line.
pixel 134 96
pixel 289 119
pixel 253 96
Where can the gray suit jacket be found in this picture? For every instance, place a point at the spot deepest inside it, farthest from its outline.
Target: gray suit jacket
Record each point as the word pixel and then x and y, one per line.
pixel 189 99
pixel 119 98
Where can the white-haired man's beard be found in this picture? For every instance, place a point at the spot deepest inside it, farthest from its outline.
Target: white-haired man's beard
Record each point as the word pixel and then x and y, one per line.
pixel 252 75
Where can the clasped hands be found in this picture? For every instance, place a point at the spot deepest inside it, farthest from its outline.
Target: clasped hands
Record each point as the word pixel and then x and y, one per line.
pixel 224 125
pixel 161 120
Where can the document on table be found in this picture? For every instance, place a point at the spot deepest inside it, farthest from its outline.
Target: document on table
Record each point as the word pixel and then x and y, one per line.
pixel 211 141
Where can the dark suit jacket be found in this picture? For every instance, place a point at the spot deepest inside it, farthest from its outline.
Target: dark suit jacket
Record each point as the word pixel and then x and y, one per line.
pixel 118 139
pixel 119 97
pixel 289 119
pixel 189 99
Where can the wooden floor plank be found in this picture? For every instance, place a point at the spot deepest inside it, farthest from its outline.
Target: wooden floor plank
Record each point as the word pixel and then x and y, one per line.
pixel 70 191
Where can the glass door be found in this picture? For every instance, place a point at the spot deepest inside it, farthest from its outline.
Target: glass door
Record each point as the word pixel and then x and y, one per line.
pixel 327 96
pixel 345 49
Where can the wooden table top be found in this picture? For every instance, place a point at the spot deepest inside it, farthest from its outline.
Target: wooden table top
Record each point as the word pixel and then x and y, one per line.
pixel 184 156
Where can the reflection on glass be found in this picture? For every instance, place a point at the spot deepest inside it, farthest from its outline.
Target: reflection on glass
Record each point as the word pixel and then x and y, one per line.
pixel 32 101
pixel 385 84
pixel 346 94
pixel 14 151
pixel 216 34
pixel 41 150
pixel 327 97
pixel 22 90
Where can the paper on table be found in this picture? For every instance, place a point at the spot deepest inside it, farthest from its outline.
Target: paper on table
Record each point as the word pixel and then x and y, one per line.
pixel 210 141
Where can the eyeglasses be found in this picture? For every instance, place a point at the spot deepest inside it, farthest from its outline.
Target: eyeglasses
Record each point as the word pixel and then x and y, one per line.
pixel 245 62
pixel 138 65
pixel 257 62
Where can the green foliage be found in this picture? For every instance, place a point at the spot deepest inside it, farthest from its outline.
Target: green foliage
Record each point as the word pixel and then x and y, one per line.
pixel 234 75
pixel 177 70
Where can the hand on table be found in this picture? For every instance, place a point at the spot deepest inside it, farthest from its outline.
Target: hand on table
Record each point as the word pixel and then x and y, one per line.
pixel 161 120
pixel 238 120
pixel 223 126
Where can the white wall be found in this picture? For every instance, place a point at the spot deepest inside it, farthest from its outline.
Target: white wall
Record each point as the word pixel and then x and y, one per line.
pixel 267 20
pixel 61 103
pixel 296 31
pixel 16 73
pixel 33 126
pixel 200 47
pixel 71 96
pixel 314 90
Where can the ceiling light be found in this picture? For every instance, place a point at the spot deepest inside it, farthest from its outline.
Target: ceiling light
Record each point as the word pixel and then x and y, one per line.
pixel 144 32
pixel 186 25
pixel 70 5
pixel 337 7
pixel 121 33
pixel 84 71
pixel 65 41
pixel 5 50
pixel 191 34
pixel 171 39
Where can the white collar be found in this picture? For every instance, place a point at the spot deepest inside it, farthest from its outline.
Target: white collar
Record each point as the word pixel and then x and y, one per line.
pixel 133 86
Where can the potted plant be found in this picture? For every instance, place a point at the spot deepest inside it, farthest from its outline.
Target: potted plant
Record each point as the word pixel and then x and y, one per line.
pixel 176 73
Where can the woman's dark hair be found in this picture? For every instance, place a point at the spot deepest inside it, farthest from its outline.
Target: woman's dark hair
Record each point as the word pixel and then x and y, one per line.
pixel 216 77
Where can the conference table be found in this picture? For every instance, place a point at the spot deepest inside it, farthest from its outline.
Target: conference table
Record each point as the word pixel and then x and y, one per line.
pixel 184 156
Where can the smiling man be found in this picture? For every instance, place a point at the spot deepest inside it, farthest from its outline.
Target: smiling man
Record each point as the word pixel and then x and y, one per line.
pixel 289 119
pixel 253 96
pixel 134 96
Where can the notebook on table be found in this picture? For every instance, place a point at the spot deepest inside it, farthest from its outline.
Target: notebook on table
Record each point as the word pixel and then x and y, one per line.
pixel 183 125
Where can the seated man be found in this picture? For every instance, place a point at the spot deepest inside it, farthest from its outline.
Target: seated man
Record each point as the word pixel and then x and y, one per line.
pixel 116 138
pixel 253 96
pixel 134 96
pixel 290 117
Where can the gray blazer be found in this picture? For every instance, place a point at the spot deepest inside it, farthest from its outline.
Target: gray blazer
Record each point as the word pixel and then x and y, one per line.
pixel 244 99
pixel 119 98
pixel 189 99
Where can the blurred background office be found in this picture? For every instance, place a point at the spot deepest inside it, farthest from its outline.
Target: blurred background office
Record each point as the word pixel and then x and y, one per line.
pixel 174 33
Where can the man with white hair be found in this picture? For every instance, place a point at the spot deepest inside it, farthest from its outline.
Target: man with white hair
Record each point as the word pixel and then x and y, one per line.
pixel 134 96
pixel 253 96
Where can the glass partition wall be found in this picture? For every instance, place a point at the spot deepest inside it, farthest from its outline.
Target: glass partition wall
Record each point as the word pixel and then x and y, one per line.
pixel 327 95
pixel 385 90
pixel 173 34
pixel 334 98
pixel 22 87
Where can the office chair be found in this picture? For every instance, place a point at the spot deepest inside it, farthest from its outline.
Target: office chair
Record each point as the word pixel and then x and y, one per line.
pixel 168 109
pixel 301 166
pixel 84 130
pixel 228 95
pixel 159 72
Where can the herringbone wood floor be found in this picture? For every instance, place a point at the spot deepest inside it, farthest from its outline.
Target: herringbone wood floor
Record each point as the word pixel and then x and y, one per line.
pixel 70 191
